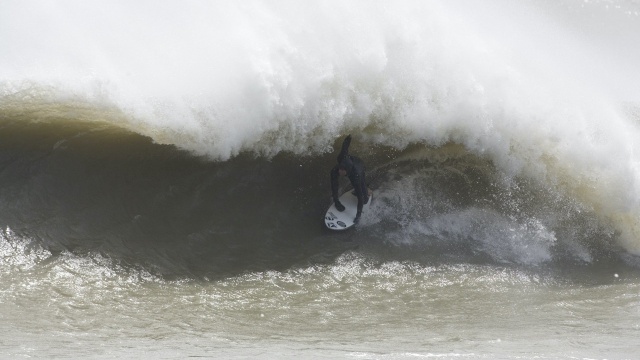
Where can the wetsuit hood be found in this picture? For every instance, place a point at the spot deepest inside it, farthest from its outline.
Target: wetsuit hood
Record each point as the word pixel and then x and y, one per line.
pixel 346 164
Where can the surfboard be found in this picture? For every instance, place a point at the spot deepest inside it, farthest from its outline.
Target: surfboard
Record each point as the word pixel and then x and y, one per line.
pixel 343 220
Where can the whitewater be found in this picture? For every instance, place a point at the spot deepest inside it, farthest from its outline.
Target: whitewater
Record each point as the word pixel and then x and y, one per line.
pixel 164 170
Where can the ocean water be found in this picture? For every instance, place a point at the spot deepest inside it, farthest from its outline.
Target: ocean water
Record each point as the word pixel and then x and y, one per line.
pixel 164 172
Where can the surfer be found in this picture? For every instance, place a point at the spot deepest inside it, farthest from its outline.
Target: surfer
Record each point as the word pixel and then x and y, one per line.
pixel 353 168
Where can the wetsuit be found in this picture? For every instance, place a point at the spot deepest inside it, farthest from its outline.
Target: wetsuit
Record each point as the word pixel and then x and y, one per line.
pixel 355 172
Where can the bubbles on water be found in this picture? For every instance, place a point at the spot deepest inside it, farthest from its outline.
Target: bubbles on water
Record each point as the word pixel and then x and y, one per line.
pixel 19 253
pixel 28 270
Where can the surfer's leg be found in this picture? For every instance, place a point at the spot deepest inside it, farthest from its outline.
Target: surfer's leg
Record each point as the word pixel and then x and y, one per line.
pixel 366 191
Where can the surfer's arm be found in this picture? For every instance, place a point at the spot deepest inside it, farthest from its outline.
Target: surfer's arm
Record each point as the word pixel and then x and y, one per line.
pixel 345 148
pixel 346 143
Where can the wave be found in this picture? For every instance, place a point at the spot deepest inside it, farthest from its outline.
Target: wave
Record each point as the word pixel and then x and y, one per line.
pixel 535 88
pixel 88 192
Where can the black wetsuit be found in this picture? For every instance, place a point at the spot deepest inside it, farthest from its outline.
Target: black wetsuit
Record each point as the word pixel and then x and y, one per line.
pixel 355 172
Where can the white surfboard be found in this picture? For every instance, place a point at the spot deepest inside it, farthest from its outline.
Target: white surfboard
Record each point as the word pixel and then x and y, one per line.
pixel 343 220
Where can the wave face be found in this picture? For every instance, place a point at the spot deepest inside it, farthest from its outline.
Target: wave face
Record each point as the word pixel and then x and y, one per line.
pixel 539 97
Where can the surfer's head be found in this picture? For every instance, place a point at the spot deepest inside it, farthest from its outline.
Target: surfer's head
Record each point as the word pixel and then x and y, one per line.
pixel 345 166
